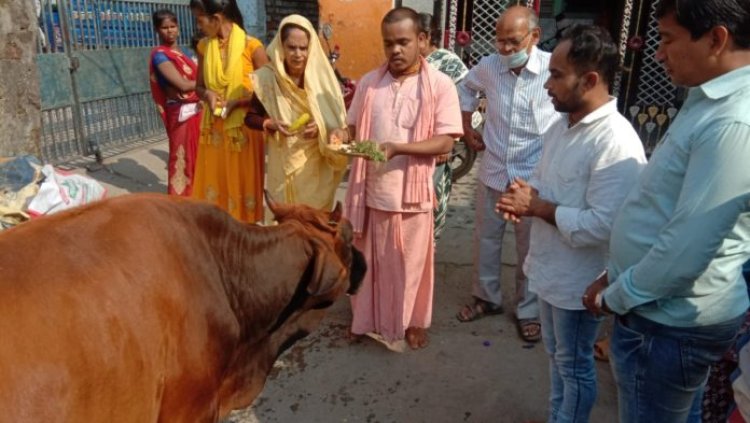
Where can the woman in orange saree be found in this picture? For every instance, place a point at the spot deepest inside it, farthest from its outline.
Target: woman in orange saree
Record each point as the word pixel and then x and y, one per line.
pixel 229 169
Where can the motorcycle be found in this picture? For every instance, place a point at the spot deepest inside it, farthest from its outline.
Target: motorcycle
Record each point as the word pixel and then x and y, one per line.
pixel 463 157
pixel 348 86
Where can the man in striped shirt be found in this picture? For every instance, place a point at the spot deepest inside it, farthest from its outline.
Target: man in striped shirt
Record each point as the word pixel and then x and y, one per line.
pixel 518 113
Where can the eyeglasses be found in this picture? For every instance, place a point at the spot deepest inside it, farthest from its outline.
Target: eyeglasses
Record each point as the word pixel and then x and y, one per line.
pixel 512 42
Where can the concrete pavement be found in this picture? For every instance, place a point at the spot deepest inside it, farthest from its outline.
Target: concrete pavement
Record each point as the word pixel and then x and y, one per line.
pixel 471 372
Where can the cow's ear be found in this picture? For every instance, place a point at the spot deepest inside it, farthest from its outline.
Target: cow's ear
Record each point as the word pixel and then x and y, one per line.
pixel 328 270
pixel 337 213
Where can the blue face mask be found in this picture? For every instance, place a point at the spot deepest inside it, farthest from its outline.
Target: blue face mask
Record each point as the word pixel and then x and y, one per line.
pixel 516 60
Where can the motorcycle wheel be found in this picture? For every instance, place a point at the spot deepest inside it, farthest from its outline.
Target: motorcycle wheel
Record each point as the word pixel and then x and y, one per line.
pixel 462 159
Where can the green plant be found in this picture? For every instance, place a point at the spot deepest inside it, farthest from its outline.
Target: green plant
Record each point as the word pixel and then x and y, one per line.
pixel 369 148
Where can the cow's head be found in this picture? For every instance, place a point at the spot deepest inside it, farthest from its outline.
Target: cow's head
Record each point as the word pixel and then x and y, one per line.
pixel 329 226
pixel 335 266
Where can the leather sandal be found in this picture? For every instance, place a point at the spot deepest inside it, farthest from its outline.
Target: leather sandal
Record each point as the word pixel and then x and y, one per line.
pixel 479 309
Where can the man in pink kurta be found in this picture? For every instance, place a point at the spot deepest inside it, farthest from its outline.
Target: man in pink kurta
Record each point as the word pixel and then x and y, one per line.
pixel 413 112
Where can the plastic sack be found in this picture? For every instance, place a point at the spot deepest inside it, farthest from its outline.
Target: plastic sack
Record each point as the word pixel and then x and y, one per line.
pixel 62 190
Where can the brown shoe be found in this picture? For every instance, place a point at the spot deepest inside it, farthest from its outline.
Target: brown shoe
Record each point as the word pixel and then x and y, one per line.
pixel 530 330
pixel 479 309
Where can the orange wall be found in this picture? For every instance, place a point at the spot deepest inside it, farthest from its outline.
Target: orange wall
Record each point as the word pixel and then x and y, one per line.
pixel 356 30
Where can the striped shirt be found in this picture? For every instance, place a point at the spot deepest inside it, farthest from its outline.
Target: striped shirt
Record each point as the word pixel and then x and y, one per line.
pixel 519 111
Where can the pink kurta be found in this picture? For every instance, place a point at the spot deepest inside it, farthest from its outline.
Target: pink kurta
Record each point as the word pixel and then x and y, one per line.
pixel 397 237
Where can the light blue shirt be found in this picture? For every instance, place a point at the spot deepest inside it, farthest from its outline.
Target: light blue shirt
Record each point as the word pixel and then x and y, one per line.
pixel 682 235
pixel 519 111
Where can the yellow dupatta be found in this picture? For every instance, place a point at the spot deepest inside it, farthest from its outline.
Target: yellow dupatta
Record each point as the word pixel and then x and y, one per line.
pixel 285 101
pixel 225 79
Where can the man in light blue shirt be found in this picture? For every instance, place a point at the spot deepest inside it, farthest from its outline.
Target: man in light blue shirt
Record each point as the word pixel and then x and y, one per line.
pixel 518 113
pixel 680 239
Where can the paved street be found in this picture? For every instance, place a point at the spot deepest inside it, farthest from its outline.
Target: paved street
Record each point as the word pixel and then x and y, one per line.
pixel 471 372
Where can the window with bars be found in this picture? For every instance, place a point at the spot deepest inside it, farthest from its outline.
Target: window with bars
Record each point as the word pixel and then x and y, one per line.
pixel 484 17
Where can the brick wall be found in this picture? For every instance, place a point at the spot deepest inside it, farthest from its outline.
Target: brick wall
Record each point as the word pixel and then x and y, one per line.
pixel 276 10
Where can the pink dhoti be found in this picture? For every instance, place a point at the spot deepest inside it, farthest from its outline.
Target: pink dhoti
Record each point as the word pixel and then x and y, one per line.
pixel 397 291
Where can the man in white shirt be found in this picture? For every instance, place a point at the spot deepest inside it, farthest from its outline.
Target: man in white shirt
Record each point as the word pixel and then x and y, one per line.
pixel 590 161
pixel 518 113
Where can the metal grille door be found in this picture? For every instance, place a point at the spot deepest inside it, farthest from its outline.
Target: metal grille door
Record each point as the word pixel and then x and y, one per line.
pixel 485 14
pixel 93 66
pixel 657 98
pixel 654 86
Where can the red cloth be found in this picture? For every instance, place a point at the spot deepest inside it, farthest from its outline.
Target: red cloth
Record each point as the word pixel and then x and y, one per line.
pixel 184 65
pixel 736 417
pixel 183 136
pixel 183 149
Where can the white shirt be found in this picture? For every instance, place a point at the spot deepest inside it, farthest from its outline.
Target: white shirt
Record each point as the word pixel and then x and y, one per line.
pixel 519 111
pixel 587 170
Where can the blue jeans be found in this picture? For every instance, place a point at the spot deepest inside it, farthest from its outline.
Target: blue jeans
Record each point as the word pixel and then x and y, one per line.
pixel 569 337
pixel 660 370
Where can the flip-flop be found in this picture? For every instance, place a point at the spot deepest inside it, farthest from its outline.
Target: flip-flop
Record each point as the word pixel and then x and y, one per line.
pixel 524 324
pixel 479 309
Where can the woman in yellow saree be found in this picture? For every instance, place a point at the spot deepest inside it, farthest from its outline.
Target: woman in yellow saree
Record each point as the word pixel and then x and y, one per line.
pixel 229 165
pixel 299 80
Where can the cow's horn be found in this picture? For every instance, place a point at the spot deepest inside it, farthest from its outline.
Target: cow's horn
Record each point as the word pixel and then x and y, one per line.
pixel 337 212
pixel 271 203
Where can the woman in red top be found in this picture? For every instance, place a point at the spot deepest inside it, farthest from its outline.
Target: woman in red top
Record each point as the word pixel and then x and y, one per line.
pixel 173 75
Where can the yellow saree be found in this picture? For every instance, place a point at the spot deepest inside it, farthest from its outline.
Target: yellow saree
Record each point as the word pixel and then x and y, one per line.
pixel 302 170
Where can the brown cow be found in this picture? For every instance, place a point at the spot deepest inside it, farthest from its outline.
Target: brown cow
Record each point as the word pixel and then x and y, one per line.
pixel 148 308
